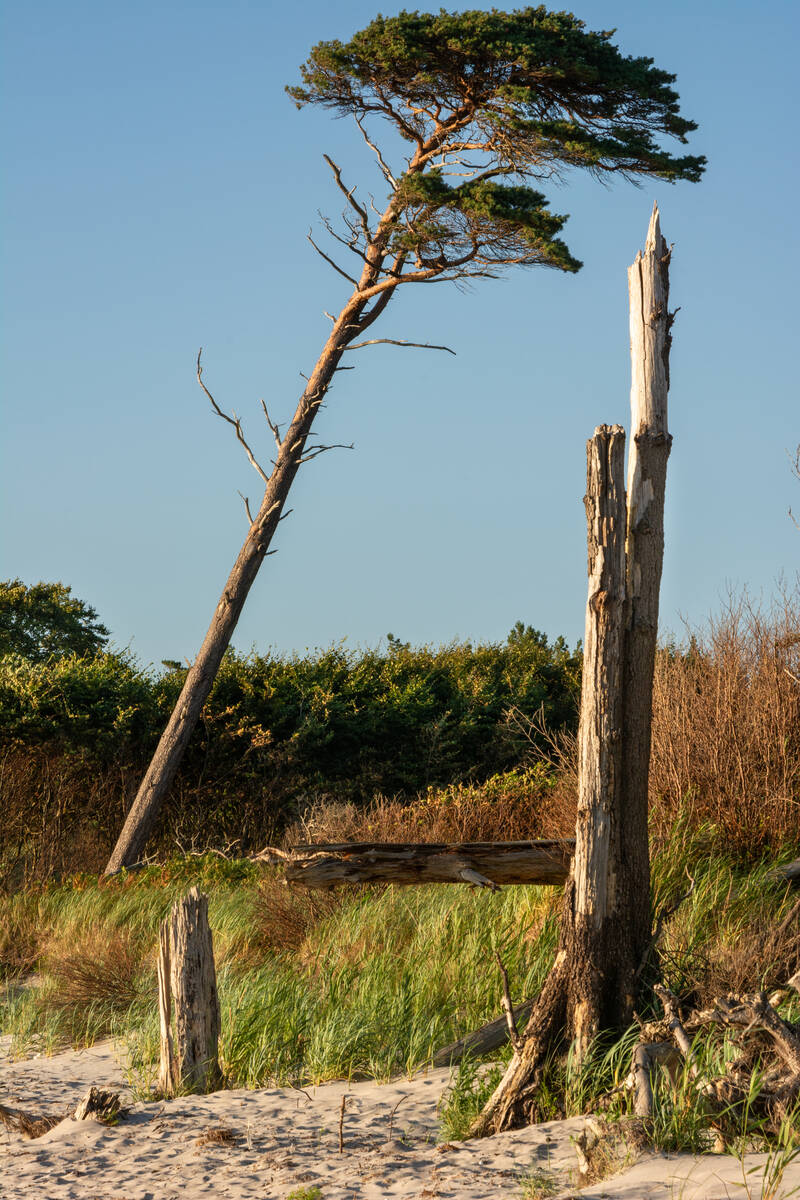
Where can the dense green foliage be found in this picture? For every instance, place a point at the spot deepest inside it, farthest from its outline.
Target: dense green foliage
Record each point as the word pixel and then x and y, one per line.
pixel 396 720
pixel 523 94
pixel 277 733
pixel 44 620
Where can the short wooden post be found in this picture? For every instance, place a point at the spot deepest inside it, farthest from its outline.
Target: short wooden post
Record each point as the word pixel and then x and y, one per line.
pixel 189 1059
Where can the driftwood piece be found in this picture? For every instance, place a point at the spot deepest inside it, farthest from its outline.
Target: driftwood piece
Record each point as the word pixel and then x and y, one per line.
pixel 25 1123
pixel 788 871
pixel 674 1023
pixel 481 1041
pixel 100 1104
pixel 186 975
pixel 166 1059
pixel 485 864
pixel 754 1012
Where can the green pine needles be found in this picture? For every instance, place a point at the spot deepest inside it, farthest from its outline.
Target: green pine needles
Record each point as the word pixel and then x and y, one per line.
pixel 478 97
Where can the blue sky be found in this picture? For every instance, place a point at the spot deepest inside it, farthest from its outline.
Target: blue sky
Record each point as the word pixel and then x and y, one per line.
pixel 158 191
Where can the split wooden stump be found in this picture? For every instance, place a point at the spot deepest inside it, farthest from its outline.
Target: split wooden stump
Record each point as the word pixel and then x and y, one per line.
pixel 189 1059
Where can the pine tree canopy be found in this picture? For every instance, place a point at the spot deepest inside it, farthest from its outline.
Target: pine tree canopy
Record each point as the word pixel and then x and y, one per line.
pixel 484 95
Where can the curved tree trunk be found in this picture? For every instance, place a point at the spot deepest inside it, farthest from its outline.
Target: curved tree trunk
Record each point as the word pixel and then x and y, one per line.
pixel 200 678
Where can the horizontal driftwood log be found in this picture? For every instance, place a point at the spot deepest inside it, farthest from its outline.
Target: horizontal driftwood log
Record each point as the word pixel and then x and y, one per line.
pixel 485 864
pixel 788 871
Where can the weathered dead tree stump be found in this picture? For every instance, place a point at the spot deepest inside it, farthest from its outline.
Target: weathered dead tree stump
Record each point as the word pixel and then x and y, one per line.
pixel 575 995
pixel 606 919
pixel 189 1060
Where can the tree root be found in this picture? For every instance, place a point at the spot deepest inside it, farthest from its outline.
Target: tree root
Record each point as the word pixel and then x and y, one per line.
pixel 764 1035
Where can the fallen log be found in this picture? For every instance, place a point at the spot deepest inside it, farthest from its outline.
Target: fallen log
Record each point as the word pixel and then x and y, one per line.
pixel 788 871
pixel 483 864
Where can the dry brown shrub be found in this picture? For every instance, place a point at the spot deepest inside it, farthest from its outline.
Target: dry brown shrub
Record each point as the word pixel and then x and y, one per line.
pixel 99 965
pixel 282 916
pixel 761 951
pixel 516 806
pixel 60 812
pixel 726 727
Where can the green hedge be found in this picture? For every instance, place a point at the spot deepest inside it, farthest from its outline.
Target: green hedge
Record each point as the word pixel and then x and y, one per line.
pixel 337 720
pixel 278 732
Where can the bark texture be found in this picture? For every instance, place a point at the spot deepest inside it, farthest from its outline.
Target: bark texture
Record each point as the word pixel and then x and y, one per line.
pixel 606 922
pixel 579 995
pixel 187 977
pixel 482 864
pixel 650 325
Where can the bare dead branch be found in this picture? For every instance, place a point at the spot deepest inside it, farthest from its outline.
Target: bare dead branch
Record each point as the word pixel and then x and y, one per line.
pixel 246 500
pixel 348 194
pixel 331 263
pixel 674 1023
pixel 387 174
pixel 276 432
pixel 508 1009
pixel 232 420
pixel 315 453
pixel 396 342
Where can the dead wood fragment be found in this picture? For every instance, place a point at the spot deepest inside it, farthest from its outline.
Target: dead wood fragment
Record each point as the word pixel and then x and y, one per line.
pixel 754 1012
pixel 485 864
pixel 508 1009
pixel 788 871
pixel 674 1023
pixel 754 1015
pixel 101 1105
pixel 29 1125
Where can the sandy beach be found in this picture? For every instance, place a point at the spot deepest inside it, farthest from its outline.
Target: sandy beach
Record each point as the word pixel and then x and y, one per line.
pixel 277 1140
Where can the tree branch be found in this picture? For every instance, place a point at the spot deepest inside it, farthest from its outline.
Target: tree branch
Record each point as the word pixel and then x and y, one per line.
pixel 508 1009
pixel 396 342
pixel 330 261
pixel 348 194
pixel 234 421
pixel 246 500
pixel 274 426
pixel 315 453
pixel 387 174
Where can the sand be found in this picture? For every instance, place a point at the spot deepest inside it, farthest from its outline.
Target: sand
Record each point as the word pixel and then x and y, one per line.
pixel 278 1140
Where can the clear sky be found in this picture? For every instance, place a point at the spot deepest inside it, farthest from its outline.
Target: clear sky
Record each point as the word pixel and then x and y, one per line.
pixel 158 190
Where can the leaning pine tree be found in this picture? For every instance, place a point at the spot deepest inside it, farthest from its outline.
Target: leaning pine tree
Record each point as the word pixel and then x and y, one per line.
pixel 484 103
